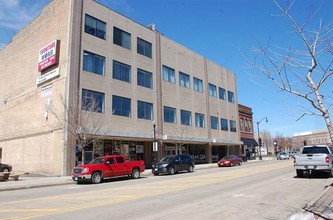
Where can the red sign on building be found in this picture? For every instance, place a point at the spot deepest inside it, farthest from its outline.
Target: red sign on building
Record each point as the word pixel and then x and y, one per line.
pixel 48 56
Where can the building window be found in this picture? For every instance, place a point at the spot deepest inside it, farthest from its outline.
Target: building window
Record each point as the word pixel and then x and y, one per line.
pixel 212 90
pixel 250 126
pixel 243 125
pixel 199 120
pixel 121 38
pixel 232 125
pixel 144 47
pixel 214 121
pixel 224 124
pixel 121 71
pixel 169 115
pixel 246 126
pixel 168 74
pixel 222 93
pixel 92 101
pixel 95 27
pixel 184 80
pixel 145 110
pixel 197 84
pixel 231 97
pixel 121 106
pixel 144 79
pixel 93 63
pixel 185 117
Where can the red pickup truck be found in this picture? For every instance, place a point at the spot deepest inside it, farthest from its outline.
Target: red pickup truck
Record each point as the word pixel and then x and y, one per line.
pixel 107 167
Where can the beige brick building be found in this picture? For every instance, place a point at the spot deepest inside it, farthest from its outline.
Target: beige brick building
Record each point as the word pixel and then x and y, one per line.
pixel 83 51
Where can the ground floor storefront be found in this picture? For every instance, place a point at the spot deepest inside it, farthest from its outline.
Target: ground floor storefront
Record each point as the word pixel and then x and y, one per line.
pixel 143 150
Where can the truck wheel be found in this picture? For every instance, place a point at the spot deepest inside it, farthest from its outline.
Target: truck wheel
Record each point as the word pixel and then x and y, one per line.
pixel 171 170
pixel 135 174
pixel 299 173
pixel 96 178
pixel 190 169
pixel 331 173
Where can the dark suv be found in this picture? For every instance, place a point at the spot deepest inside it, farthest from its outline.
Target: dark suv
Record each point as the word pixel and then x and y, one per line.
pixel 172 164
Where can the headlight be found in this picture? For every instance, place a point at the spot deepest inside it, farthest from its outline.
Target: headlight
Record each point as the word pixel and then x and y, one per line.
pixel 164 165
pixel 85 170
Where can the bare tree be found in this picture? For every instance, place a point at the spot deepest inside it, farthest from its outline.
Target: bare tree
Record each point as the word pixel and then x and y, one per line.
pixel 180 136
pixel 82 118
pixel 303 72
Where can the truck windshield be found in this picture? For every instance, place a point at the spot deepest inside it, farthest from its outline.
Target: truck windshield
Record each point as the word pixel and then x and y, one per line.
pixel 315 150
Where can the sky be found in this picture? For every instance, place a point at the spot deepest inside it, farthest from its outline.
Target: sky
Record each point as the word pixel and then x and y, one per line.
pixel 223 31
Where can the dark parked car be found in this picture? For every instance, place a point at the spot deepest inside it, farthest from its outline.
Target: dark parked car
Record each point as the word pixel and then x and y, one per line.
pixel 229 161
pixel 172 164
pixel 5 168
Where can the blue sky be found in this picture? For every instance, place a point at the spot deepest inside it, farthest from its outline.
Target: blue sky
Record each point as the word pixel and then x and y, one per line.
pixel 220 30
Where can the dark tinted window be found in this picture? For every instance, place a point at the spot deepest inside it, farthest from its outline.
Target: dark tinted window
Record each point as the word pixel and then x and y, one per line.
pixel 120 159
pixel 315 150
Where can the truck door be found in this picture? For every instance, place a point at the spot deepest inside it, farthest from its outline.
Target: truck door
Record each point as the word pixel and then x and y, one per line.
pixel 109 168
pixel 121 166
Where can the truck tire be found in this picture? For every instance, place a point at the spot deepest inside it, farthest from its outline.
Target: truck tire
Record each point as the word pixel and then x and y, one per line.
pixel 135 174
pixel 331 173
pixel 171 170
pixel 299 173
pixel 96 178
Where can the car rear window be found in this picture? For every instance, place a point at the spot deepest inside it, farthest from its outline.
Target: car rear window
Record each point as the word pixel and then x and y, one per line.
pixel 315 150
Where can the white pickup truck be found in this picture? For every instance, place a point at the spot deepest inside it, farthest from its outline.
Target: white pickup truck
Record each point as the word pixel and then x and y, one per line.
pixel 316 158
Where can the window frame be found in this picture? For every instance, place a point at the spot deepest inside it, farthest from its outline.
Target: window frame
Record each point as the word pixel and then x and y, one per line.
pixel 214 121
pixel 197 87
pixel 222 93
pixel 184 80
pixel 94 63
pixel 199 120
pixel 233 125
pixel 146 47
pixel 212 90
pixel 169 115
pixel 231 97
pixel 143 77
pixel 147 107
pixel 185 117
pixel 125 71
pixel 224 124
pixel 122 38
pixel 122 111
pixel 97 32
pixel 99 107
pixel 168 74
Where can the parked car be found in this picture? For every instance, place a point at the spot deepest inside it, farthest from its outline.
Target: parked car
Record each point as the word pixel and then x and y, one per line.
pixel 293 153
pixel 172 164
pixel 6 168
pixel 107 167
pixel 282 156
pixel 229 161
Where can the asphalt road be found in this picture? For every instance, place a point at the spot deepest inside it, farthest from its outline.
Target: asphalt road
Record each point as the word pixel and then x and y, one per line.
pixel 266 190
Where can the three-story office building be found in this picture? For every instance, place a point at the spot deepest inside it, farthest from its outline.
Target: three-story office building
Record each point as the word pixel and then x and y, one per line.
pixel 82 70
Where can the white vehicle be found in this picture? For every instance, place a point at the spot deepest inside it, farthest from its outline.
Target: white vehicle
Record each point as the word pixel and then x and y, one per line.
pixel 315 158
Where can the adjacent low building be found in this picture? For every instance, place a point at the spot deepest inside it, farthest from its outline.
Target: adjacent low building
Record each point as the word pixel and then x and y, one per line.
pixel 82 80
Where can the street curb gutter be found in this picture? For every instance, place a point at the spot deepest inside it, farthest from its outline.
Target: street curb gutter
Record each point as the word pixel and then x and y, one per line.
pixel 322 204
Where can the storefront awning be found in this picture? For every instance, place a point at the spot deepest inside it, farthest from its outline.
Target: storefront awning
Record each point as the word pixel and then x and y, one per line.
pixel 249 142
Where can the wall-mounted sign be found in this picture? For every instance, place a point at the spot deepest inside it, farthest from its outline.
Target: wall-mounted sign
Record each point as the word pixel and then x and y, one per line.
pixel 47 76
pixel 48 55
pixel 46 91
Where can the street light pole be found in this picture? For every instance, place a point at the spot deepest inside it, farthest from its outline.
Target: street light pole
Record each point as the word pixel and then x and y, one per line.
pixel 259 139
pixel 154 141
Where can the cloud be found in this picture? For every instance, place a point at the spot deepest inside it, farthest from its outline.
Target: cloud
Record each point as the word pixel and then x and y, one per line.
pixel 15 14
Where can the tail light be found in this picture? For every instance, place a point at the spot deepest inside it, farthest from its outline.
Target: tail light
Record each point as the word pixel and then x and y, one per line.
pixel 327 159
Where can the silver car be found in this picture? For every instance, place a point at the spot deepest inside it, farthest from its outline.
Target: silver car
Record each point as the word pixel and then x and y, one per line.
pixel 282 156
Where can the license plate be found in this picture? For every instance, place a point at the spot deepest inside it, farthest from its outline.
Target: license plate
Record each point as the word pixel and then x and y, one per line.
pixel 156 169
pixel 75 178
